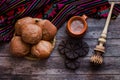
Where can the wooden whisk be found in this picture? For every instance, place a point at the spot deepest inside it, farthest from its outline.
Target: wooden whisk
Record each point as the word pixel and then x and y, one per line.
pixel 97 57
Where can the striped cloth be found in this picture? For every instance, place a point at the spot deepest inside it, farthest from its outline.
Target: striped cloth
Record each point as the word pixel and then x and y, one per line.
pixel 57 11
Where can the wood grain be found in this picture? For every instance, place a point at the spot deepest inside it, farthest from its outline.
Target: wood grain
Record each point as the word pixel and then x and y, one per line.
pixel 60 77
pixel 53 68
pixel 112 47
pixel 55 65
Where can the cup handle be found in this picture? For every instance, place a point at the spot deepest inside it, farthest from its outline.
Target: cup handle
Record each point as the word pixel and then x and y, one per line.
pixel 84 17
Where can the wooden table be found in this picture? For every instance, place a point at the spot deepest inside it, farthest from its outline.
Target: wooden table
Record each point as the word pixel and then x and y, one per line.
pixel 12 68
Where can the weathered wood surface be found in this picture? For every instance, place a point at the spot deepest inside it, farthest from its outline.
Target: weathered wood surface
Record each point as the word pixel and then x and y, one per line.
pixel 12 68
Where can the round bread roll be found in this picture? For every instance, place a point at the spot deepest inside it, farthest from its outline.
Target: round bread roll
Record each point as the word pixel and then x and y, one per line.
pixel 21 22
pixel 42 50
pixel 48 30
pixel 31 33
pixel 18 47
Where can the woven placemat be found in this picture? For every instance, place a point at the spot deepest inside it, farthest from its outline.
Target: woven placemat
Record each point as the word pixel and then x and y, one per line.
pixel 57 11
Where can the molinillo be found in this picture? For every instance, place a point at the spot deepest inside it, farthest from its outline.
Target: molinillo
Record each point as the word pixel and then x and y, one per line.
pixel 97 57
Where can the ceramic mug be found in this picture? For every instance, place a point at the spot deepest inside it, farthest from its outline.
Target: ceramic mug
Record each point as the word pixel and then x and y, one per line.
pixel 77 26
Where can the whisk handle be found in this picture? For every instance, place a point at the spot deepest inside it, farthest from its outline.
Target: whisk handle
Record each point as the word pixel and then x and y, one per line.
pixel 108 19
pixel 102 40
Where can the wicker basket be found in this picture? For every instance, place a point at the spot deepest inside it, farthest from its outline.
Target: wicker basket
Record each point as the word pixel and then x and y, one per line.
pixel 31 57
